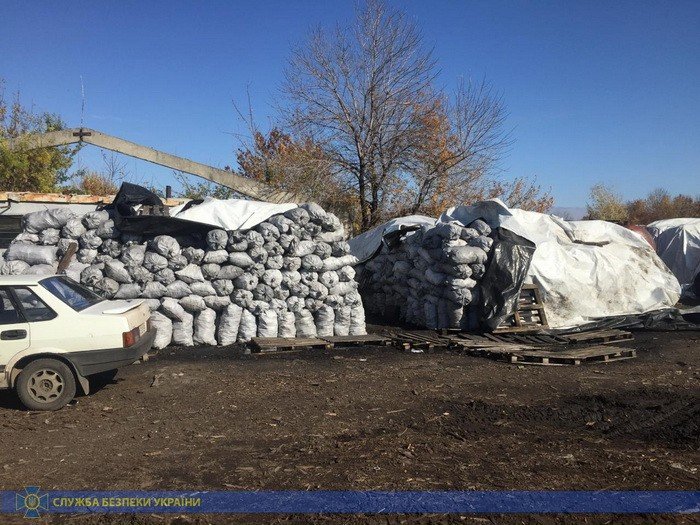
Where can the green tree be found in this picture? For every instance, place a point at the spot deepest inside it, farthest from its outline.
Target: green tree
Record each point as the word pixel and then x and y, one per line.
pixel 38 170
pixel 606 205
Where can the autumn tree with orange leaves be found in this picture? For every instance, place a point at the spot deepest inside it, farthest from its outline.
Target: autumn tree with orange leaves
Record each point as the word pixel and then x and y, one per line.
pixel 298 166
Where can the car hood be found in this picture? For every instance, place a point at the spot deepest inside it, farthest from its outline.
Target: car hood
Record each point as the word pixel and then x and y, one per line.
pixel 113 307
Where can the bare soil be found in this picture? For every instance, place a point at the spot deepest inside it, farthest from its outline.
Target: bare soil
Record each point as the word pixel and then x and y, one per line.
pixel 368 418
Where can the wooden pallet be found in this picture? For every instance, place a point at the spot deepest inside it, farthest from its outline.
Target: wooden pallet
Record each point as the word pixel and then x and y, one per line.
pixel 473 341
pixel 593 354
pixel 427 340
pixel 535 340
pixel 529 315
pixel 604 337
pixel 342 341
pixel 519 338
pixel 278 344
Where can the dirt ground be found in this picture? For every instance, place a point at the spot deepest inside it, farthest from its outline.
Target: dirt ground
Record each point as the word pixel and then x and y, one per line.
pixel 369 418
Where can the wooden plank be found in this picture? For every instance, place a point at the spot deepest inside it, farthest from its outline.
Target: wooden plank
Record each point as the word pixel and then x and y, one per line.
pixel 358 340
pixel 524 355
pixel 536 359
pixel 286 340
pixel 600 337
pixel 529 313
pixel 471 339
pixel 533 328
pixel 595 333
pixel 538 300
pixel 426 335
pixel 549 339
pixel 267 344
pixel 419 339
pixel 468 340
pixel 592 351
pixel 67 257
pixel 502 353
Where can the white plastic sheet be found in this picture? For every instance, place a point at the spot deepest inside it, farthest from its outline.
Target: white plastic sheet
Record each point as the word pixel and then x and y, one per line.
pixel 585 269
pixel 230 214
pixel 365 246
pixel 678 245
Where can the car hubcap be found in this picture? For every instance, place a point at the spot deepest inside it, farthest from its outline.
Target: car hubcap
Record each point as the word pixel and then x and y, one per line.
pixel 45 385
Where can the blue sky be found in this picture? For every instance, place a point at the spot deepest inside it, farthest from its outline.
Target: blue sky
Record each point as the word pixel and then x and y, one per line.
pixel 597 91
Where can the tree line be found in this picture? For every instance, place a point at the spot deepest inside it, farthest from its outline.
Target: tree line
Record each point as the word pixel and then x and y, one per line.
pixel 606 204
pixel 363 127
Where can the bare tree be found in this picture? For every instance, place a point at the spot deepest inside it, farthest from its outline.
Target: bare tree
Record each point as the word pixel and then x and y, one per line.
pixel 359 93
pixel 115 169
pixel 456 155
pixel 366 94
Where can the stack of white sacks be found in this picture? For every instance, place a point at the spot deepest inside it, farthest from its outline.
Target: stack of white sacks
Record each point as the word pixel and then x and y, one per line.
pixel 290 276
pixel 430 277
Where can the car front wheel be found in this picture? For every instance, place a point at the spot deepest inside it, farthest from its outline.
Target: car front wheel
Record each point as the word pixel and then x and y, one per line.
pixel 45 384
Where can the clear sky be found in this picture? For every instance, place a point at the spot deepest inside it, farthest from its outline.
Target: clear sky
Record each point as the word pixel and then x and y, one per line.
pixel 597 91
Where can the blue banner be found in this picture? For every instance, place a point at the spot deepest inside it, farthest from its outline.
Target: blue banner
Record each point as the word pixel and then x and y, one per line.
pixel 33 502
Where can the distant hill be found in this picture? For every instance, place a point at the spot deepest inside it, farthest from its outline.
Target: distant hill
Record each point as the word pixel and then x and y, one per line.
pixel 572 213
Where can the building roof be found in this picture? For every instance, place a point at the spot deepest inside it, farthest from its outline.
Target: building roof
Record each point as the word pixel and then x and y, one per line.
pixel 62 198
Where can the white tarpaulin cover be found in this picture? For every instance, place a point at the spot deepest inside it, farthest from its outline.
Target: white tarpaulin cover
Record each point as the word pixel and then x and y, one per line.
pixel 678 245
pixel 585 269
pixel 230 214
pixel 365 246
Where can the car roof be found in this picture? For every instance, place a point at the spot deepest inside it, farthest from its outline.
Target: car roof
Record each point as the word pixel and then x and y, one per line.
pixel 26 280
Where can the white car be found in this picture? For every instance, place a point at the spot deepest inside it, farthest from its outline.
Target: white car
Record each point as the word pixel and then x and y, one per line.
pixel 54 332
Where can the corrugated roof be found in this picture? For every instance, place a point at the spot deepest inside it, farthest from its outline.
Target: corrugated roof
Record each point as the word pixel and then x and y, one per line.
pixel 62 198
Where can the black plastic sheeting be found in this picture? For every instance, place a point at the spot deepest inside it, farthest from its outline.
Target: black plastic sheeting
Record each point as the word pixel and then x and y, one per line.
pixel 693 291
pixel 122 210
pixel 505 274
pixel 666 319
pixel 130 195
pixel 499 288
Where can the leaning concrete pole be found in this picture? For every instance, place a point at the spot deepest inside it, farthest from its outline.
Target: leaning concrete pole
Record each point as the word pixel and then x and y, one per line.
pixel 248 187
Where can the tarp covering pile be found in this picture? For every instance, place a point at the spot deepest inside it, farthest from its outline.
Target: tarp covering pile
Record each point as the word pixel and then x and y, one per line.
pixel 425 272
pixel 586 270
pixel 678 245
pixel 280 271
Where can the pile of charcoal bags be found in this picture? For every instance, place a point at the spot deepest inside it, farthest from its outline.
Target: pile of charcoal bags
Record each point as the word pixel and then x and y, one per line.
pixel 288 276
pixel 466 269
pixel 426 273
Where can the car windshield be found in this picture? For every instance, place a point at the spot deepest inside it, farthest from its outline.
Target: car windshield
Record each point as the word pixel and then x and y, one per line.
pixel 73 294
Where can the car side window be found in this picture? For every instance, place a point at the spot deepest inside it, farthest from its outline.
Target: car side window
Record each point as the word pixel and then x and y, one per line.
pixel 33 307
pixel 8 313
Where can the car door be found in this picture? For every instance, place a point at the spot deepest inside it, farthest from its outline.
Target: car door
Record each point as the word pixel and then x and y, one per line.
pixel 14 329
pixel 45 327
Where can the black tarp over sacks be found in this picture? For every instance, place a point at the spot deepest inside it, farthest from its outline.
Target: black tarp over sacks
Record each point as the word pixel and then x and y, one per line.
pixel 506 270
pixel 123 213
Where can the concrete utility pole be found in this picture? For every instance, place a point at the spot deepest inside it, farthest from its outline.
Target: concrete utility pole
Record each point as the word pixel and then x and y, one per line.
pixel 250 188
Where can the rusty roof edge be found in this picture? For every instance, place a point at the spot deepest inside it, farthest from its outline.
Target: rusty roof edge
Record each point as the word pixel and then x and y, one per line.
pixel 63 198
